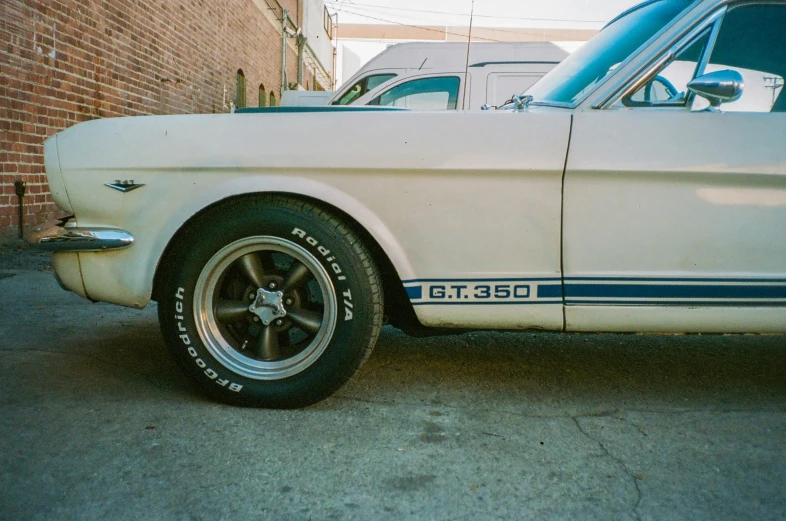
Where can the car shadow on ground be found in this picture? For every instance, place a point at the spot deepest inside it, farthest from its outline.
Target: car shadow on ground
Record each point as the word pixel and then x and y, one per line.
pixel 604 367
pixel 610 370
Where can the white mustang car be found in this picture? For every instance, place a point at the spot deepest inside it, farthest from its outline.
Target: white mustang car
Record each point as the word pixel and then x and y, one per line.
pixel 639 187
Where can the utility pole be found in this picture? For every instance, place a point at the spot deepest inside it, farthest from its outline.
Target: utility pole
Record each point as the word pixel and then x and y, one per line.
pixel 469 45
pixel 777 83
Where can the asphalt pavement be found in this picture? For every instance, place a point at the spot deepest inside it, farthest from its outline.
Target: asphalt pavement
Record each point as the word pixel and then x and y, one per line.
pixel 98 423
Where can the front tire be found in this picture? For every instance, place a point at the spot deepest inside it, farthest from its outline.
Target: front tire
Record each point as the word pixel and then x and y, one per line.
pixel 269 302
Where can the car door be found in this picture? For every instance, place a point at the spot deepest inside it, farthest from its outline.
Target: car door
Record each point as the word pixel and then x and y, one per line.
pixel 675 213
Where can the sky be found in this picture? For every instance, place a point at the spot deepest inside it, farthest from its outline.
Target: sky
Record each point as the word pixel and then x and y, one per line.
pixel 574 14
pixel 557 14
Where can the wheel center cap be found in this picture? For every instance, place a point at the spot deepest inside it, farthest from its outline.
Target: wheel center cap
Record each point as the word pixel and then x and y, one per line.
pixel 268 306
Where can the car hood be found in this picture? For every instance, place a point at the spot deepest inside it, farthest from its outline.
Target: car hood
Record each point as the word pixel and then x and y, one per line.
pixel 300 140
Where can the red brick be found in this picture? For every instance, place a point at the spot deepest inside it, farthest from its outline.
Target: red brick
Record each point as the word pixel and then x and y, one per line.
pixel 110 59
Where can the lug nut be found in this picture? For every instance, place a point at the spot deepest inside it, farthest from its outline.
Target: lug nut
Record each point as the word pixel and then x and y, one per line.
pixel 279 322
pixel 252 296
pixel 272 285
pixel 256 319
pixel 288 302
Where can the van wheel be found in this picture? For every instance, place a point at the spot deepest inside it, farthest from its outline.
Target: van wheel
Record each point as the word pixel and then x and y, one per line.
pixel 269 302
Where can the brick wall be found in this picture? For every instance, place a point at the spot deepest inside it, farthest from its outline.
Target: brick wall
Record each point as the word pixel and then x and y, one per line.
pixel 67 61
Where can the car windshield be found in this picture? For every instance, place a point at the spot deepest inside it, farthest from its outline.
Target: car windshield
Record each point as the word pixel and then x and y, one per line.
pixel 581 71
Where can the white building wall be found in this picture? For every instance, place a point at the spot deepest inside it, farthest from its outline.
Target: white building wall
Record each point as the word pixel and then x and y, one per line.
pixel 352 57
pixel 317 37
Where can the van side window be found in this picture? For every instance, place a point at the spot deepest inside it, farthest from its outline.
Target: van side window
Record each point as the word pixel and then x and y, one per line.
pixel 424 94
pixel 363 86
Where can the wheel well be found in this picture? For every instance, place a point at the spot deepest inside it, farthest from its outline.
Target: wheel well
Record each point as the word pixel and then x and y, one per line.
pixel 398 308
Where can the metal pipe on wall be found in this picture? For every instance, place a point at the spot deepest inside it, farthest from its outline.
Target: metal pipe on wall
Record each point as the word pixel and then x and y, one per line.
pixel 284 20
pixel 19 188
pixel 301 46
pixel 335 54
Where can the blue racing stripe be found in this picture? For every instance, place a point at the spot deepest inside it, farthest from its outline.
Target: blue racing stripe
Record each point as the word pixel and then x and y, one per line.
pixel 515 279
pixel 549 290
pixel 673 291
pixel 494 303
pixel 681 303
pixel 711 280
pixel 415 292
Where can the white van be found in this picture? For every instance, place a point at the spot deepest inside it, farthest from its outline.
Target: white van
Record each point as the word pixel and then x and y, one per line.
pixel 431 76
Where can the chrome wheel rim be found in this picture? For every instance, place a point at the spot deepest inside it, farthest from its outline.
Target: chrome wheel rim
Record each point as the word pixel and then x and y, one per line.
pixel 265 308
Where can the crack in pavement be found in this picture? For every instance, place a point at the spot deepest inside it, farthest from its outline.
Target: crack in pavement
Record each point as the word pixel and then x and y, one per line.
pixel 618 461
pixel 597 414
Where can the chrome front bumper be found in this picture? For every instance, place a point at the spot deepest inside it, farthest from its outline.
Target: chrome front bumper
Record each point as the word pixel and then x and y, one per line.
pixel 55 236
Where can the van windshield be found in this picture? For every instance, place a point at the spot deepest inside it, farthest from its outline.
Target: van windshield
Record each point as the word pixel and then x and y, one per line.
pixel 581 71
pixel 361 87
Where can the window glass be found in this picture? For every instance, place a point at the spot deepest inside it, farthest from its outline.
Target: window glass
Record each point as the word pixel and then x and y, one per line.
pixel 328 23
pixel 362 87
pixel 272 100
pixel 752 41
pixel 670 86
pixel 423 94
pixel 582 70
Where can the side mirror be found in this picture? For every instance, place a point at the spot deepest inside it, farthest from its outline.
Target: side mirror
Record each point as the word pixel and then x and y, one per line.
pixel 718 87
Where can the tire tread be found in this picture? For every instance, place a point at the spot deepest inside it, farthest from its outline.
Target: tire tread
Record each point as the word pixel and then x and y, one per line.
pixel 297 208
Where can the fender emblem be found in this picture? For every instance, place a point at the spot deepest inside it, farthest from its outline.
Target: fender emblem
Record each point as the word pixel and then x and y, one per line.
pixel 124 186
